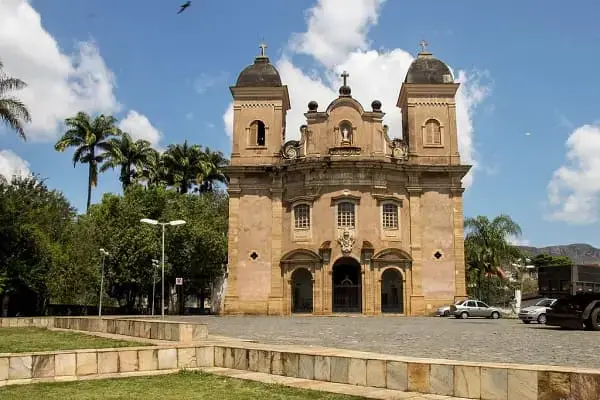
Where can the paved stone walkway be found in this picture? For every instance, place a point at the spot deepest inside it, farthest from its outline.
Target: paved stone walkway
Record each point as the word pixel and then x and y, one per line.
pixel 483 340
pixel 359 391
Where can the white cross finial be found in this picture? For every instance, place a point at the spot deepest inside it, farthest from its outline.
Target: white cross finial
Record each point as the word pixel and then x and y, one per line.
pixel 423 45
pixel 263 47
pixel 345 76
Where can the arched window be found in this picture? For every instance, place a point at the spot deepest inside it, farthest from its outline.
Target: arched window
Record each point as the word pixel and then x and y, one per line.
pixel 433 133
pixel 302 216
pixel 389 216
pixel 258 135
pixel 345 215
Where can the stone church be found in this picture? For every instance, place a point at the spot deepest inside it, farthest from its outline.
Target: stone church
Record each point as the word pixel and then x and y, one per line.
pixel 352 217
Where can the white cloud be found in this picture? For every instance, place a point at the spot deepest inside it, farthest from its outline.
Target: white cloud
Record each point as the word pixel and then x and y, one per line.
pixel 574 190
pixel 189 116
pixel 12 165
pixel 139 127
pixel 527 133
pixel 335 28
pixel 337 39
pixel 58 84
pixel 518 241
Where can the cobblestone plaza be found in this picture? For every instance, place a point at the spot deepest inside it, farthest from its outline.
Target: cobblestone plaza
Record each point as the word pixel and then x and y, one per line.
pixel 503 340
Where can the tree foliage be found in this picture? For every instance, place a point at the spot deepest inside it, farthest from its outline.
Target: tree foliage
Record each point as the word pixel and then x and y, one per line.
pixel 12 110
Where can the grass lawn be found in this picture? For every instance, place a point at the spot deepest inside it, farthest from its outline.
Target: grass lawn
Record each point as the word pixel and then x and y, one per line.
pixel 20 340
pixel 183 385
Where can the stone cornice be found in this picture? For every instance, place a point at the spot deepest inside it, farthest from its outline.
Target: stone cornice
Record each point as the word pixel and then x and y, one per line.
pixel 344 197
pixel 262 93
pixel 306 198
pixel 426 90
pixel 387 197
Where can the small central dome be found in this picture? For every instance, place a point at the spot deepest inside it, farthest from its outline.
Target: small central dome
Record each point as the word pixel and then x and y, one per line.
pixel 260 74
pixel 427 69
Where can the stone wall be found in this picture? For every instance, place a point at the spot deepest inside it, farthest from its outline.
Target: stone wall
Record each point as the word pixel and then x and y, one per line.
pixel 148 329
pixel 488 381
pixel 19 368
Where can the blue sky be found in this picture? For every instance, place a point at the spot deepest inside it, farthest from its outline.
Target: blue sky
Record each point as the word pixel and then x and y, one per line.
pixel 529 71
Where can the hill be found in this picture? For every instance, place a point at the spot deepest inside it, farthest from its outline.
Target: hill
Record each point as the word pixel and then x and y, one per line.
pixel 580 253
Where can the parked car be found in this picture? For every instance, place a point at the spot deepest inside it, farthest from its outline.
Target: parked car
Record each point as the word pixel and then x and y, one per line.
pixel 474 308
pixel 445 311
pixel 536 312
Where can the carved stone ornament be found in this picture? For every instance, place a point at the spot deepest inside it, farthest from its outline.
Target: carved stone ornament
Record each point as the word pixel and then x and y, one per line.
pixel 291 150
pixel 346 241
pixel 399 149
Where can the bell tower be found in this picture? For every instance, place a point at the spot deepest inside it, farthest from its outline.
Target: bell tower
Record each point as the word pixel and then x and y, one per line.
pixel 427 101
pixel 260 104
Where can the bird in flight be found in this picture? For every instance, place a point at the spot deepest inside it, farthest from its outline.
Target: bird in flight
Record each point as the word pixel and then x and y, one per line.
pixel 184 6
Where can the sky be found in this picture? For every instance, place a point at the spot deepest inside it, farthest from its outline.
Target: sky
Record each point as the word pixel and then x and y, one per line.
pixel 528 113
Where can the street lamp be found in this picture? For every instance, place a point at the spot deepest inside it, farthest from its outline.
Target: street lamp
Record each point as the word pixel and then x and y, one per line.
pixel 155 265
pixel 162 284
pixel 104 253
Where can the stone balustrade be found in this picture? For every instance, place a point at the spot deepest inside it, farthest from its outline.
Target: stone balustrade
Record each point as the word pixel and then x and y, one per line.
pixel 182 332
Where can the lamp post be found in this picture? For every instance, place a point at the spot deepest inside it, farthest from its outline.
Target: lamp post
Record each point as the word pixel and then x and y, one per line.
pixel 162 284
pixel 155 265
pixel 104 253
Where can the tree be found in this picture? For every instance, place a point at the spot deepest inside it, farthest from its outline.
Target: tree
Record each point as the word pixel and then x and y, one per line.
pixel 186 166
pixel 128 155
pixel 12 110
pixel 154 171
pixel 546 260
pixel 487 246
pixel 214 170
pixel 90 137
pixel 33 232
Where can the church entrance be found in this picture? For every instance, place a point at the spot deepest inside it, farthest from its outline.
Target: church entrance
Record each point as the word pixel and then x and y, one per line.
pixel 302 291
pixel 346 279
pixel 392 293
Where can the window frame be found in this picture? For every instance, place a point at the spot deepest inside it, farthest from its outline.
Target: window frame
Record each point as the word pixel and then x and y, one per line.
pixel 383 219
pixel 338 215
pixel 254 136
pixel 308 216
pixel 425 132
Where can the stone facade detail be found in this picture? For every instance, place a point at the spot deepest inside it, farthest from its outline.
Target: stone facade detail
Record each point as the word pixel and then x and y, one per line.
pixel 345 219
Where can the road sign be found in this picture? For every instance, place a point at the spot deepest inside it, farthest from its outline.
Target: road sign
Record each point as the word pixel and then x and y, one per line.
pixel 179 281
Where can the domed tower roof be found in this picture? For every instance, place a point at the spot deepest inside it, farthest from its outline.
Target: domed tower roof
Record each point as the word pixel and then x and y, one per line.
pixel 427 69
pixel 260 74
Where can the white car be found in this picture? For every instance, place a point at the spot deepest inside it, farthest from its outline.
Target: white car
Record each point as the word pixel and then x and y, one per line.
pixel 536 312
pixel 474 308
pixel 445 311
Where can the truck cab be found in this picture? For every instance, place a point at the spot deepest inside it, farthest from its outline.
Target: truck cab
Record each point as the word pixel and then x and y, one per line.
pixel 577 290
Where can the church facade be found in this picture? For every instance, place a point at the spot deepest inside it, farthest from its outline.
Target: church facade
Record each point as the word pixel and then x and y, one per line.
pixel 346 219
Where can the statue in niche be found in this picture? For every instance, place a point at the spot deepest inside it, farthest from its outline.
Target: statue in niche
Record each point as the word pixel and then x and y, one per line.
pixel 346 131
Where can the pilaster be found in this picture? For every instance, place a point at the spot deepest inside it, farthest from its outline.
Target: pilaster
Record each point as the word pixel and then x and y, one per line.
pixel 230 303
pixel 276 295
pixel 416 242
pixel 459 243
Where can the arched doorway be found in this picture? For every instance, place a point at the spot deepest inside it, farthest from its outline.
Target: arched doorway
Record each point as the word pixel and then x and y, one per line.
pixel 302 291
pixel 347 288
pixel 392 293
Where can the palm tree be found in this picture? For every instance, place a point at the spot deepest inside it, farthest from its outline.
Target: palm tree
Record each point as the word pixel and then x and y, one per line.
pixel 186 165
pixel 487 246
pixel 214 173
pixel 12 111
pixel 90 137
pixel 131 156
pixel 154 171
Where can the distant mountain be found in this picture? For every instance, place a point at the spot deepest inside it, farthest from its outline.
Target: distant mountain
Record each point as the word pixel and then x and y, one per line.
pixel 580 253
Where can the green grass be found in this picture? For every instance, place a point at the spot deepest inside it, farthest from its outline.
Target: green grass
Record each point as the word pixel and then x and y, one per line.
pixel 183 385
pixel 21 340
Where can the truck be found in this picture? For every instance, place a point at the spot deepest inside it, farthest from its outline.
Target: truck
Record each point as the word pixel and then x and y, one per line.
pixel 577 290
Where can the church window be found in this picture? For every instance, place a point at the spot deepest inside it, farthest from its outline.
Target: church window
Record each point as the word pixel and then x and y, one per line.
pixel 433 133
pixel 258 134
pixel 302 216
pixel 390 216
pixel 345 215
